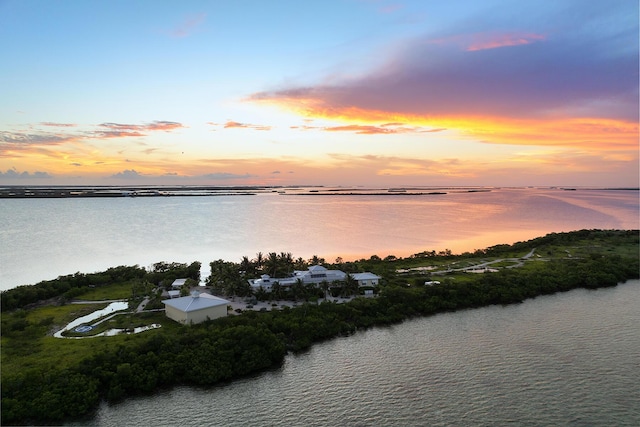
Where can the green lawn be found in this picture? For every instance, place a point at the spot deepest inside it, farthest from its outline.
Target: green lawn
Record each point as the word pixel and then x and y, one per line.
pixel 114 291
pixel 34 346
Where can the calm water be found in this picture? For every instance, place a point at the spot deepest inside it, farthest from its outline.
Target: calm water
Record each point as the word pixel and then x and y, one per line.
pixel 563 360
pixel 41 239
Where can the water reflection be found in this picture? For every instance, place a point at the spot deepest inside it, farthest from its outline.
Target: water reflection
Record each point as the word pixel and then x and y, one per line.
pixel 143 231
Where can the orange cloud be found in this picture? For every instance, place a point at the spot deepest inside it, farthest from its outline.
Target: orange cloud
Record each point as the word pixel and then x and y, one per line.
pixel 596 133
pixel 231 124
pixel 563 92
pixel 386 128
pixel 70 146
pixel 362 129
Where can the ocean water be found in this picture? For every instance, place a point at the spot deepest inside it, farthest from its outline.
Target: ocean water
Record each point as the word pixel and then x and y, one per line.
pixel 568 359
pixel 41 239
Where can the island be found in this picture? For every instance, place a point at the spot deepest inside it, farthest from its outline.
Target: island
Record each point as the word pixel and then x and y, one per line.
pixel 66 347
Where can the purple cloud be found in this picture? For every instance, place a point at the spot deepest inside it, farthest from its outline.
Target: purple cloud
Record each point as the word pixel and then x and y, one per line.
pixel 570 71
pixel 11 174
pixel 127 174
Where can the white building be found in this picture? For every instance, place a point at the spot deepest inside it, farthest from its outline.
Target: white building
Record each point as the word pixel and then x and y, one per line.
pixel 318 274
pixel 314 275
pixel 195 308
pixel 366 279
pixel 178 283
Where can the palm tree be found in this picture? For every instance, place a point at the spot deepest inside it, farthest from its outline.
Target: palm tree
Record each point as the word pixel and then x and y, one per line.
pixel 350 285
pixel 259 261
pixel 247 266
pixel 324 285
pixel 300 264
pixel 316 260
pixel 271 264
pixel 286 262
pixel 298 289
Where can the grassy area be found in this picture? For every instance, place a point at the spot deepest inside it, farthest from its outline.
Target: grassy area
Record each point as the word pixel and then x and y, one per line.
pixel 59 316
pixel 37 348
pixel 111 292
pixel 556 251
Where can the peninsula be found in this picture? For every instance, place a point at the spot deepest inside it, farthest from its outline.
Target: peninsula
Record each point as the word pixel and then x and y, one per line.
pixel 50 380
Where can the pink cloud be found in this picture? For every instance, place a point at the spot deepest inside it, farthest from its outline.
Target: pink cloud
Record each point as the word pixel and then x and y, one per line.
pixel 391 8
pixel 66 125
pixel 493 41
pixel 19 141
pixel 426 78
pixel 186 27
pixel 164 125
pixel 488 40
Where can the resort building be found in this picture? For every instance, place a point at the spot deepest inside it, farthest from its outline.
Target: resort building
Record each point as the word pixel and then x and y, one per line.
pixel 315 275
pixel 366 279
pixel 195 308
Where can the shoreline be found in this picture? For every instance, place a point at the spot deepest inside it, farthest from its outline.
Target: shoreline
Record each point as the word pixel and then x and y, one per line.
pixel 62 192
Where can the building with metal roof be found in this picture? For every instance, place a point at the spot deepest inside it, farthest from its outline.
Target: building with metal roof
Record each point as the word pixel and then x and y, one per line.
pixel 195 308
pixel 366 279
pixel 178 283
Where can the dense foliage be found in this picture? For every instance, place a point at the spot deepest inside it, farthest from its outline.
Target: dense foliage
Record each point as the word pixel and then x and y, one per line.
pixel 74 285
pixel 227 348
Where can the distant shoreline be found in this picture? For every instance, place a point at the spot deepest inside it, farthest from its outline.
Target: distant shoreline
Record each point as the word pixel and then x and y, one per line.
pixel 61 192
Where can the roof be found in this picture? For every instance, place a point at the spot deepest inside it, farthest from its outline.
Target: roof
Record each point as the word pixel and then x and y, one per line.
pixel 178 282
pixel 365 276
pixel 191 303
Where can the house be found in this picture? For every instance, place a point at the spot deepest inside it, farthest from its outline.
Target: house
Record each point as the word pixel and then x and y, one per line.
pixel 366 279
pixel 265 282
pixel 195 308
pixel 178 283
pixel 317 274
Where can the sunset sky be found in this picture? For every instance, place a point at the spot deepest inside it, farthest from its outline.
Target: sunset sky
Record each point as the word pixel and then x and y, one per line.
pixel 332 92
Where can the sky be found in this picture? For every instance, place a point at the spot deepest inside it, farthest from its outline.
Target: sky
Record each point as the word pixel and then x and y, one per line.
pixel 374 93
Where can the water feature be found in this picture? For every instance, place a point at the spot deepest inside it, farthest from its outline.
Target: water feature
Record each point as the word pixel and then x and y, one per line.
pixel 111 308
